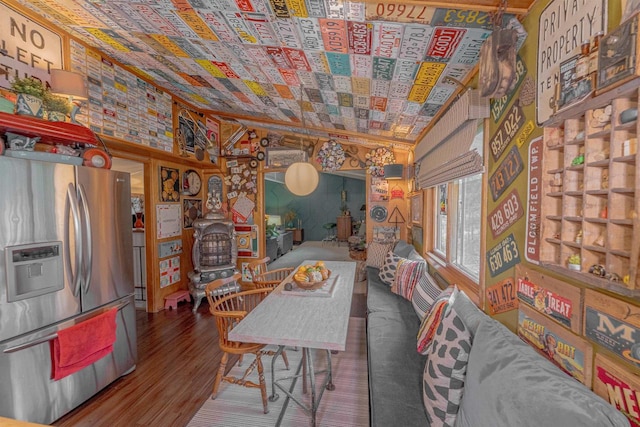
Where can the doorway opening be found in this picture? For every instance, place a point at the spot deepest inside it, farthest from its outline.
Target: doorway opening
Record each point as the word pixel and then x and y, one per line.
pixel 136 172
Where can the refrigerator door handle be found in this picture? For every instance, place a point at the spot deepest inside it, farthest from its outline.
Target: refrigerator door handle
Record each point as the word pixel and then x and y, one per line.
pixel 87 235
pixel 72 205
pixel 46 338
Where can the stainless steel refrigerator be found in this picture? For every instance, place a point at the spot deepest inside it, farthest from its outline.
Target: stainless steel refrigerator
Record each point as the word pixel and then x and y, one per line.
pixel 66 256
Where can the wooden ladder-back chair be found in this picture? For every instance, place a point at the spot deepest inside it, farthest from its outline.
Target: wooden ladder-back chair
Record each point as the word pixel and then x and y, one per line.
pixel 265 278
pixel 228 311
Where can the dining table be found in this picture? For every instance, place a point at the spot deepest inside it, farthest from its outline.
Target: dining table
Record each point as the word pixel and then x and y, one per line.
pixel 306 320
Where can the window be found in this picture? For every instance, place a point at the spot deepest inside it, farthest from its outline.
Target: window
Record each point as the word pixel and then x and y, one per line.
pixel 466 239
pixel 456 230
pixel 440 221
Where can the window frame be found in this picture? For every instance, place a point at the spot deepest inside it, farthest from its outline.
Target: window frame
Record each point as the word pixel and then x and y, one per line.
pixel 442 263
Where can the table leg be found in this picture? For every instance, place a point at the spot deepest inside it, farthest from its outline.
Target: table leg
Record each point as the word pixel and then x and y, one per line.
pixel 312 384
pixel 286 401
pixel 330 385
pixel 274 396
pixel 304 370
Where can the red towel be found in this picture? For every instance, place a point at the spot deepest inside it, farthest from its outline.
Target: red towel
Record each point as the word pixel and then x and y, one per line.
pixel 81 345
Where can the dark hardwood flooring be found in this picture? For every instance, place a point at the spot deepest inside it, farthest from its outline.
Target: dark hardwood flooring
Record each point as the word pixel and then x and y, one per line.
pixel 178 356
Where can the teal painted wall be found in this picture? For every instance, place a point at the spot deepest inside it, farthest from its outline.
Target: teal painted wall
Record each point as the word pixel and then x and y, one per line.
pixel 321 206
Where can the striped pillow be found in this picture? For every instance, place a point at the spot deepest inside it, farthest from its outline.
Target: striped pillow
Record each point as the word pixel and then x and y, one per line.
pixel 376 253
pixel 431 321
pixel 389 268
pixel 424 294
pixel 407 276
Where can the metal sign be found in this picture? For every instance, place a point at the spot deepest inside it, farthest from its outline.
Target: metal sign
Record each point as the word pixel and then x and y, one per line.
pixel 506 173
pixel 31 49
pixel 562 27
pixel 503 256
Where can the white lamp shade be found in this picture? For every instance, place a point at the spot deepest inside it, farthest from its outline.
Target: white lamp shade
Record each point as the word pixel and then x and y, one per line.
pixel 301 178
pixel 68 83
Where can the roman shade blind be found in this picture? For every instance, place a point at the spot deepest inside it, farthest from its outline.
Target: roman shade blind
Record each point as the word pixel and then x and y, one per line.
pixel 447 152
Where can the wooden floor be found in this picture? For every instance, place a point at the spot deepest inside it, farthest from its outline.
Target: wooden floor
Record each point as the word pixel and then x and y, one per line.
pixel 178 356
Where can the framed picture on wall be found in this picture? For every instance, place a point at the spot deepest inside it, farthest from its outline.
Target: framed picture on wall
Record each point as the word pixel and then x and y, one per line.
pixel 416 208
pixel 282 157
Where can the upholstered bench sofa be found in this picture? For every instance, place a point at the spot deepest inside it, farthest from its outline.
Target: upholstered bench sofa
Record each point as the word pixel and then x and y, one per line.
pixel 503 383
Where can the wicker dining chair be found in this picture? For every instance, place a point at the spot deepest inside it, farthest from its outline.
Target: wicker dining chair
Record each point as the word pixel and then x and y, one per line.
pixel 262 277
pixel 228 311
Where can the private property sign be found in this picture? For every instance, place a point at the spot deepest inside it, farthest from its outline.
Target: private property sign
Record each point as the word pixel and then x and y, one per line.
pixel 29 49
pixel 562 27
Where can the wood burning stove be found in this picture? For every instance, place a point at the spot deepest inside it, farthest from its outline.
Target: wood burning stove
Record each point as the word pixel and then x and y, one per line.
pixel 214 255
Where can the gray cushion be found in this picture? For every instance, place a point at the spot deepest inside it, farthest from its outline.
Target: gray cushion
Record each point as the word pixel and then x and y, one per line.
pixel 402 249
pixel 414 255
pixel 469 312
pixel 509 384
pixel 380 297
pixel 395 370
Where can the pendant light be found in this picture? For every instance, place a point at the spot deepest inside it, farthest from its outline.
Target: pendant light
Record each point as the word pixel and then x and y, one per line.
pixel 301 178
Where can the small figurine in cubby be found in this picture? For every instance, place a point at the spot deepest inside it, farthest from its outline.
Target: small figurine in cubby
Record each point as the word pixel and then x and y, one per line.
pixel 578 238
pixel 601 117
pixel 600 155
pixel 599 240
pixel 574 262
pixel 604 179
pixel 597 270
pixel 579 159
pixel 557 181
pixel 613 277
pixel 604 213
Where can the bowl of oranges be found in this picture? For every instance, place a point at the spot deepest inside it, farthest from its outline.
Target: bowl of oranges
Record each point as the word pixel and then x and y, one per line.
pixel 311 276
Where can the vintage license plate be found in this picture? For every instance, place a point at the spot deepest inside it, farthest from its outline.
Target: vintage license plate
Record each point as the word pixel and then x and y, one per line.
pixel 383 68
pixel 392 11
pixel 506 213
pixel 334 35
pixel 362 66
pixel 287 33
pixel 297 58
pixel 462 18
pixel 339 63
pixel 506 173
pixel 429 73
pixel 444 42
pixel 499 105
pixel 261 28
pixel 310 33
pixel 415 42
pixel 386 39
pixel 503 256
pixel 502 297
pixel 510 125
pixel 360 36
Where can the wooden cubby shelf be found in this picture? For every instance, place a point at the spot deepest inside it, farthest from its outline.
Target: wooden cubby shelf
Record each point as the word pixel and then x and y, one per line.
pixel 591 192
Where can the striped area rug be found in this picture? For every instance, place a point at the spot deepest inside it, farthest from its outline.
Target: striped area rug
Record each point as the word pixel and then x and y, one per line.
pixel 346 406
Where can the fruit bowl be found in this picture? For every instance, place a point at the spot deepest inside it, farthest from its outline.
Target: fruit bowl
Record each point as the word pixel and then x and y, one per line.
pixel 312 284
